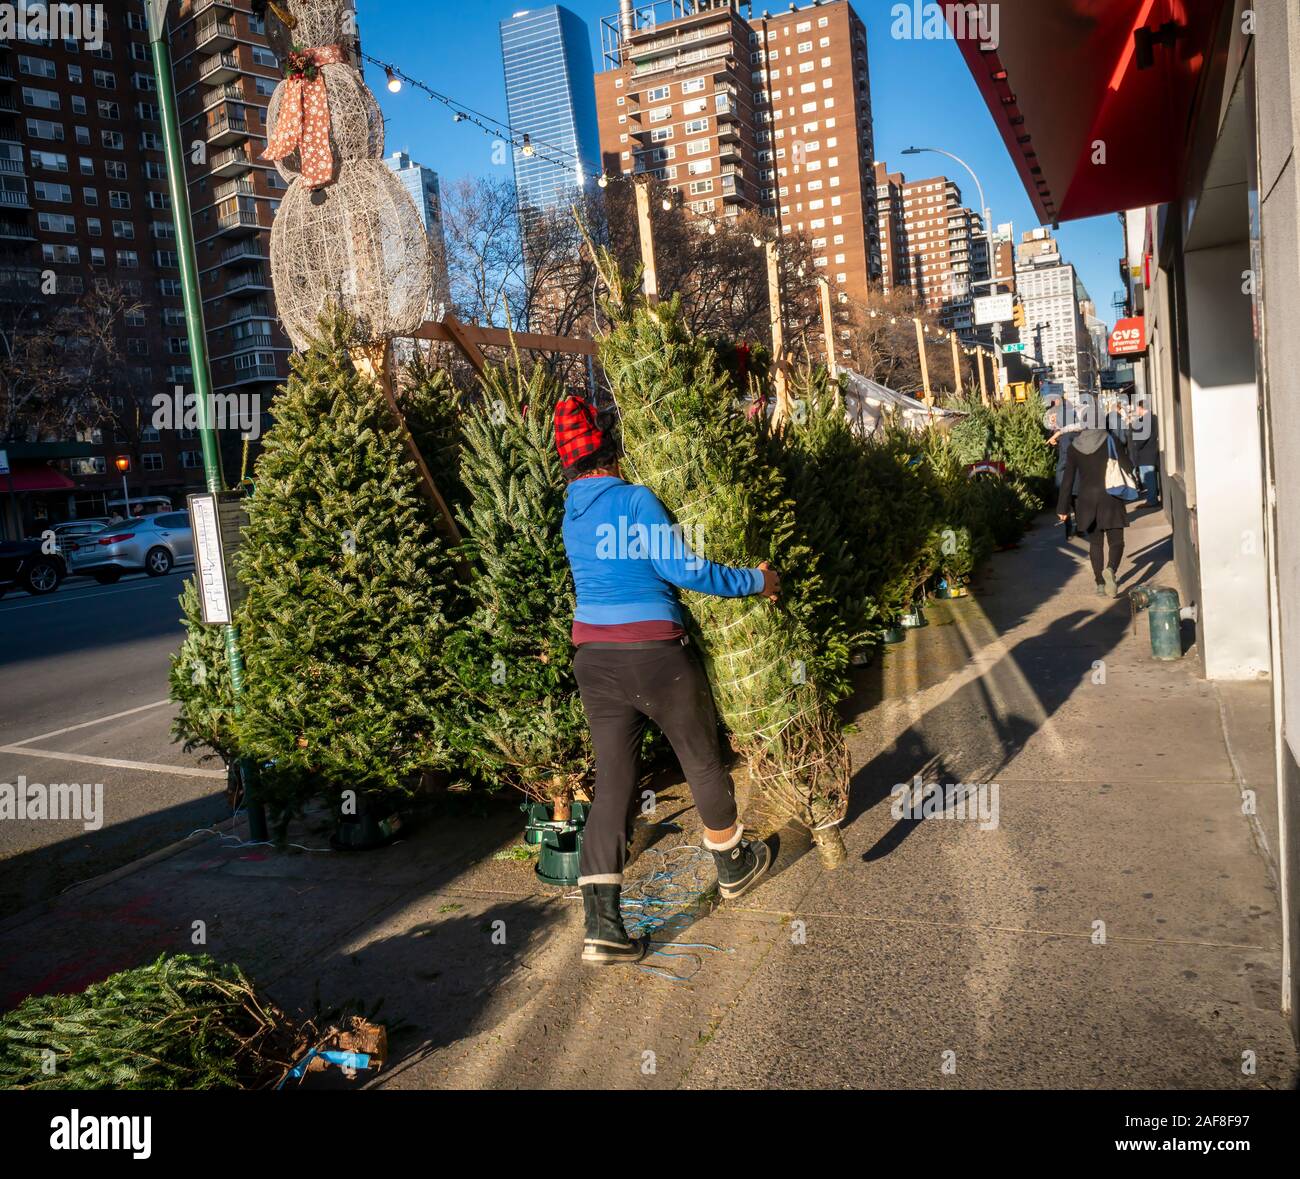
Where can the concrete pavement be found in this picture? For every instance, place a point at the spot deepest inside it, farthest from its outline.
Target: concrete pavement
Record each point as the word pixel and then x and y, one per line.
pixel 1117 926
pixel 83 699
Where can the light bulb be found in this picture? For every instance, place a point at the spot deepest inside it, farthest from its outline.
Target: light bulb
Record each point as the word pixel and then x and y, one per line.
pixel 394 82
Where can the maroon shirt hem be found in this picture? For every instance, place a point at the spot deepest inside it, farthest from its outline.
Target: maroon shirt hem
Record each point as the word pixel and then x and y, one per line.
pixel 653 630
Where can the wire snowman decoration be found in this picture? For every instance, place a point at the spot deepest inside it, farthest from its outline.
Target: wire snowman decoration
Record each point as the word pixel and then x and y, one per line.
pixel 347 233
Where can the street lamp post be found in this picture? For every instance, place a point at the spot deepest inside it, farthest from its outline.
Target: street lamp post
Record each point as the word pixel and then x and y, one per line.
pixel 192 298
pixel 988 230
pixel 123 464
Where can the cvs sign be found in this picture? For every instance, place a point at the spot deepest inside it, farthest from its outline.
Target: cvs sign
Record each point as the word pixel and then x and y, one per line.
pixel 1129 337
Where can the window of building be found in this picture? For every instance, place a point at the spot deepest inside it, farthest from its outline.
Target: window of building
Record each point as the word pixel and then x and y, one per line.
pixel 36 66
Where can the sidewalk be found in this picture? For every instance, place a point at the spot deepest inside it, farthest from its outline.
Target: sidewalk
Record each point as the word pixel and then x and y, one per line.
pixel 937 947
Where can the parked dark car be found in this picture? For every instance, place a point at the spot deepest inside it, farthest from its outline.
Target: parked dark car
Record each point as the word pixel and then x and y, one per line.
pixel 24 566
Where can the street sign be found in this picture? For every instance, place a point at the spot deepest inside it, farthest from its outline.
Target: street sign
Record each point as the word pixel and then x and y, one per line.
pixel 218 521
pixel 1013 347
pixel 4 462
pixel 994 309
pixel 1129 337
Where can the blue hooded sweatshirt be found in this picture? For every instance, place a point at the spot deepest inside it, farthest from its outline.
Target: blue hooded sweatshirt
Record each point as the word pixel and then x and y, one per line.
pixel 627 554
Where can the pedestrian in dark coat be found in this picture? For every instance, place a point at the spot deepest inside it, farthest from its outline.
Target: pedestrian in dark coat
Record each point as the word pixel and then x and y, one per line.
pixel 1100 517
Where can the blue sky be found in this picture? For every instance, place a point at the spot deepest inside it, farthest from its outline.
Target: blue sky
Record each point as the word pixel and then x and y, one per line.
pixel 921 93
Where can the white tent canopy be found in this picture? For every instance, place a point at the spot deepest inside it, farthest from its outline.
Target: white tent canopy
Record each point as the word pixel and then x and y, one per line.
pixel 867 402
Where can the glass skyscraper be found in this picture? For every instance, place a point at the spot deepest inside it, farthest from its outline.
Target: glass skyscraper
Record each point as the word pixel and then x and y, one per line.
pixel 551 97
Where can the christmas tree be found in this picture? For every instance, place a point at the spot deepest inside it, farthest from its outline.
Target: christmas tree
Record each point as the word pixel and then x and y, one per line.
pixel 434 407
pixel 821 460
pixel 351 594
pixel 688 439
pixel 200 685
pixel 522 719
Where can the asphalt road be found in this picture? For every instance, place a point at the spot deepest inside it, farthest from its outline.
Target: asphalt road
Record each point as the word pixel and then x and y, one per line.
pixel 83 699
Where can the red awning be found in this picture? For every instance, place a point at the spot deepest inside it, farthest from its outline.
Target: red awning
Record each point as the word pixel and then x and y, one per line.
pixel 1093 97
pixel 36 478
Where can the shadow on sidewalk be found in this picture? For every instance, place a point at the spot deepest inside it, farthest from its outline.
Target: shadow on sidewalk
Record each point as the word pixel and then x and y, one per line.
pixel 430 984
pixel 1051 665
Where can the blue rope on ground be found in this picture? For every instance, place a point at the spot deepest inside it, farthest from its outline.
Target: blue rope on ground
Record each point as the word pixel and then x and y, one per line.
pixel 666 900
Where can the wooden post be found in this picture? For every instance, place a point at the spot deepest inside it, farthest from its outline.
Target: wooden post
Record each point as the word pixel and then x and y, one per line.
pixel 650 279
pixel 782 410
pixel 375 361
pixel 828 328
pixel 925 368
pixel 956 363
pixel 979 360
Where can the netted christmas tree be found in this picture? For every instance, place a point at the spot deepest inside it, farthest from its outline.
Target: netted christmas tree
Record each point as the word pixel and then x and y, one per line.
pixel 687 438
pixel 351 592
pixel 521 719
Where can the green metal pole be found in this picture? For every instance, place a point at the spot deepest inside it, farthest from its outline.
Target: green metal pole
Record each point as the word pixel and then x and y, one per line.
pixel 193 299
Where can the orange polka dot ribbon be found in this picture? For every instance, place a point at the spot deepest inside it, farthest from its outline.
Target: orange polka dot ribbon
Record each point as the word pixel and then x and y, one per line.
pixel 303 124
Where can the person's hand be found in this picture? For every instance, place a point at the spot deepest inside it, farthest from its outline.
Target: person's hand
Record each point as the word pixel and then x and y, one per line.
pixel 771 582
pixel 1054 439
pixel 1063 519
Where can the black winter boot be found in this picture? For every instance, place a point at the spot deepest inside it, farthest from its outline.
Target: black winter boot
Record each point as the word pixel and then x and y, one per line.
pixel 740 866
pixel 606 942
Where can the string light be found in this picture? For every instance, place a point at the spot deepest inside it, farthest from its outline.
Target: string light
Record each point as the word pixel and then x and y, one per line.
pixel 394 82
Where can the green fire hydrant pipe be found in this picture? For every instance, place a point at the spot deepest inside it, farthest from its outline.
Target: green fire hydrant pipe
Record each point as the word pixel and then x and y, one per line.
pixel 1165 622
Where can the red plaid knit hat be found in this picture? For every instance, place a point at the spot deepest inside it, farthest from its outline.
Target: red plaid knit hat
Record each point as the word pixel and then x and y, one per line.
pixel 576 432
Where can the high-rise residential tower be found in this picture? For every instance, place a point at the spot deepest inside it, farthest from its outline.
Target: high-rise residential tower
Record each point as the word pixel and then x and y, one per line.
pixel 83 183
pixel 550 98
pixel 743 111
pixel 932 245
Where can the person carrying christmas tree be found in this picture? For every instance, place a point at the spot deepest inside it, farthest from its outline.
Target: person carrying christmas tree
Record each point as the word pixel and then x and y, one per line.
pixel 634 663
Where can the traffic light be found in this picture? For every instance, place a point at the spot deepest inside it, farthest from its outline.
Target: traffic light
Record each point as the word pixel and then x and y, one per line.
pixel 1018 315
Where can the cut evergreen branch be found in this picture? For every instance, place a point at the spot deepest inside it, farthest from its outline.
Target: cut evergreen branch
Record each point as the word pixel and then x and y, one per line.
pixel 182 1022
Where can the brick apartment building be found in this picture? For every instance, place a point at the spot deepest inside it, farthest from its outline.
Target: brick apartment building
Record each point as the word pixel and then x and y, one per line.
pixel 932 245
pixel 742 111
pixel 84 195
